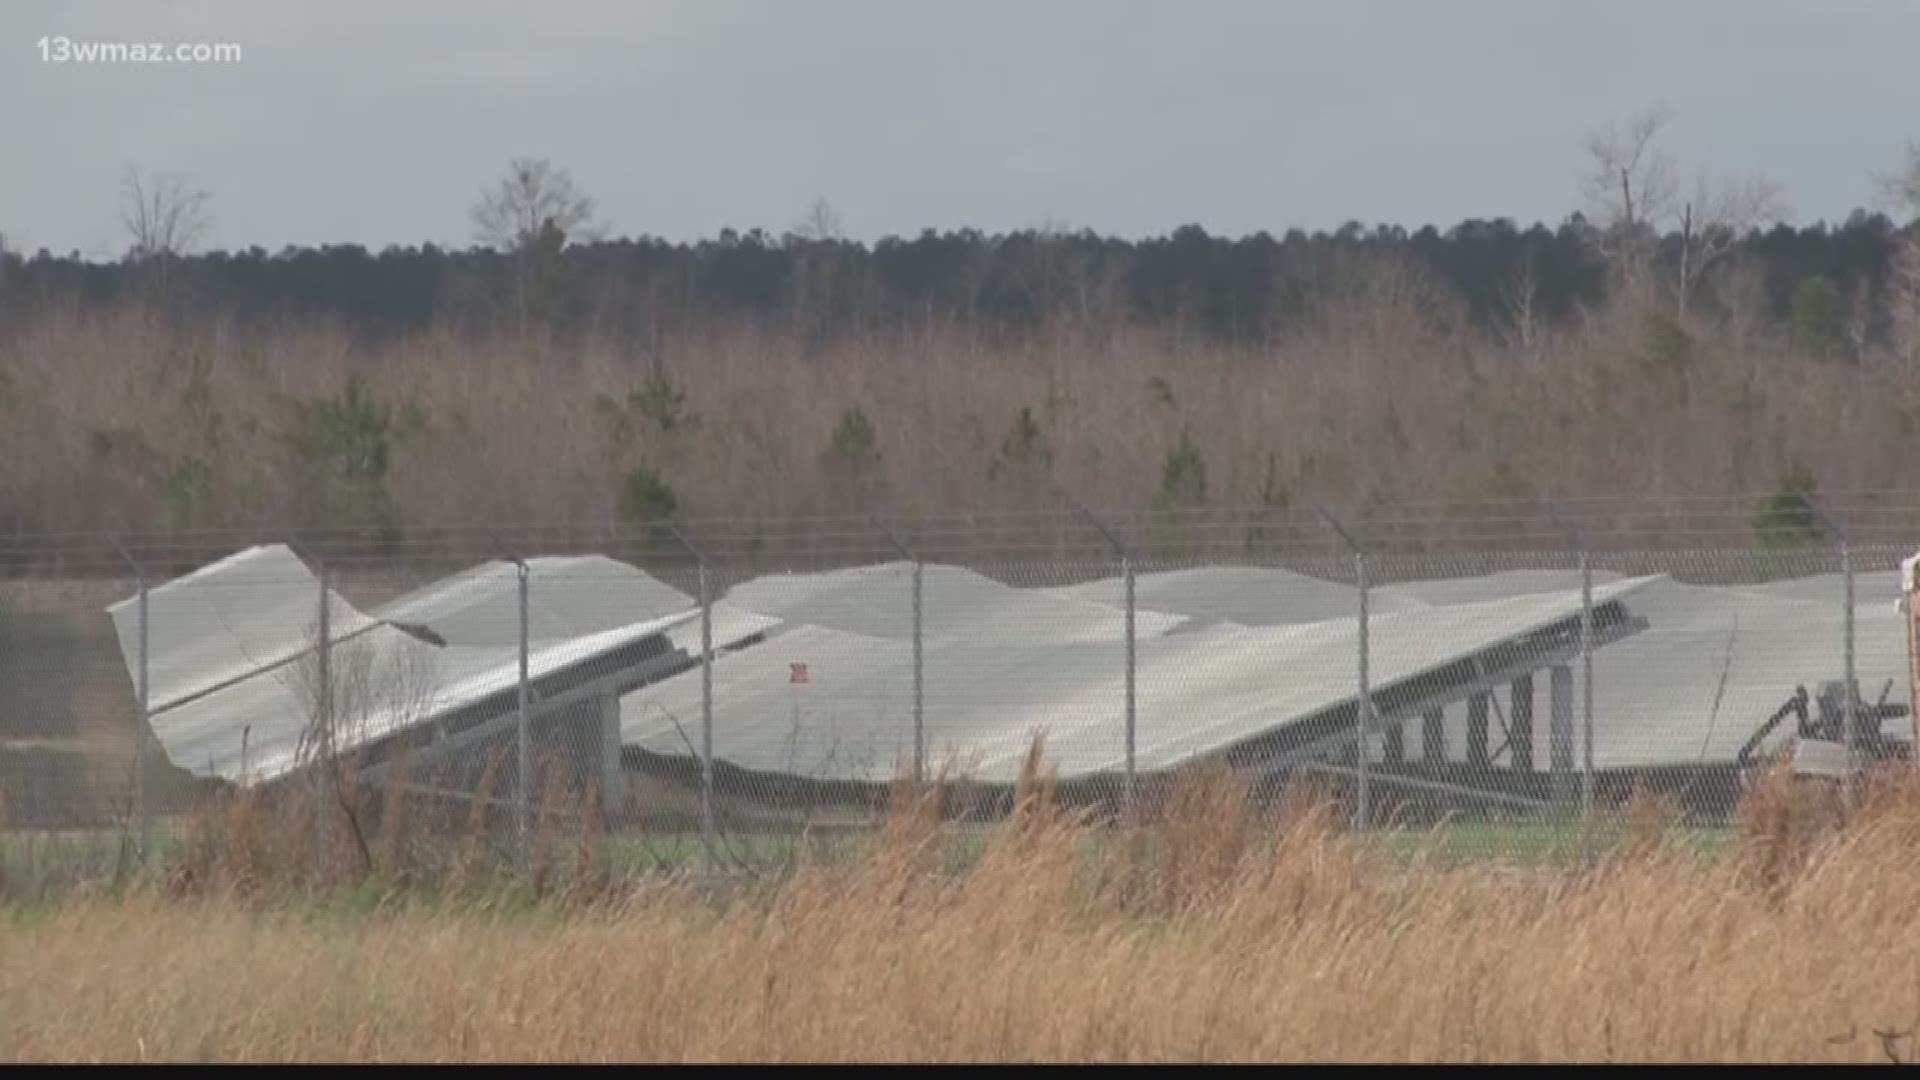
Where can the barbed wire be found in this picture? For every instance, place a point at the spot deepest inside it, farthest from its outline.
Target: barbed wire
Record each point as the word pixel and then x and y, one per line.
pixel 1617 524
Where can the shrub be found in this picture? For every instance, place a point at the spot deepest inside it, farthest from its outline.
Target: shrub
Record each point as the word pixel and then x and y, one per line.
pixel 1183 481
pixel 1788 518
pixel 647 501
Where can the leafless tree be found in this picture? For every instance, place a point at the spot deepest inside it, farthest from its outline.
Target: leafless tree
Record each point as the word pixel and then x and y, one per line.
pixel 531 213
pixel 1901 190
pixel 1387 297
pixel 1902 187
pixel 1519 294
pixel 1714 220
pixel 1743 295
pixel 1903 299
pixel 1633 190
pixel 1630 187
pixel 818 271
pixel 1042 272
pixel 166 215
pixel 820 222
pixel 514 213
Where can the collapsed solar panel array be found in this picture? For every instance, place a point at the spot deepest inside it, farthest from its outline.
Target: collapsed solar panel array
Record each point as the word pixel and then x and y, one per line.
pixel 813 674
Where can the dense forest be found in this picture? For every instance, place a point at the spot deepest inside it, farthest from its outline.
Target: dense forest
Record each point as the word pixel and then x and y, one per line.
pixel 1235 289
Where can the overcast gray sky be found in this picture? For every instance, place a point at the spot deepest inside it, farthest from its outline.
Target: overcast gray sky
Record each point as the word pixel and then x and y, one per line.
pixel 378 123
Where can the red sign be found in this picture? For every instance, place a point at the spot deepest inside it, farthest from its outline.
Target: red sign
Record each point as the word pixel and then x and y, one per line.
pixel 799 672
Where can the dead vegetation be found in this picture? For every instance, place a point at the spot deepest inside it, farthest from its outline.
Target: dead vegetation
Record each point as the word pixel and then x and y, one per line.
pixel 132 419
pixel 1220 929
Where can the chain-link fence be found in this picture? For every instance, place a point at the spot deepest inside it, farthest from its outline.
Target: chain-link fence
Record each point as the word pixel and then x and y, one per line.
pixel 729 692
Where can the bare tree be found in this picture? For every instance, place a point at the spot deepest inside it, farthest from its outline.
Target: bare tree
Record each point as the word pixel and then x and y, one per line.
pixel 1714 220
pixel 820 222
pixel 1903 298
pixel 514 213
pixel 1519 294
pixel 1743 296
pixel 166 215
pixel 1092 284
pixel 1041 273
pixel 1387 297
pixel 531 213
pixel 1633 191
pixel 1859 319
pixel 1901 191
pixel 1902 187
pixel 1630 188
pixel 818 273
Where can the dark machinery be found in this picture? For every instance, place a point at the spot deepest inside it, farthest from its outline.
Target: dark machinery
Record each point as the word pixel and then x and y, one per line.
pixel 1824 718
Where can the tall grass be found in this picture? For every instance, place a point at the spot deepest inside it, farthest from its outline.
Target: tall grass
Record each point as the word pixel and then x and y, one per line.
pixel 1226 932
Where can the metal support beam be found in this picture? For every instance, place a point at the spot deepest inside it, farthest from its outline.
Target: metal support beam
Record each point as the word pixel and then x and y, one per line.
pixel 1437 786
pixel 613 782
pixel 1478 706
pixel 1560 737
pixel 1520 737
pixel 614 685
pixel 1475 692
pixel 1433 736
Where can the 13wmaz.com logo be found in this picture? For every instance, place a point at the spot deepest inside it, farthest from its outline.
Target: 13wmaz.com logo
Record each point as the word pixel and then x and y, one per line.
pixel 65 50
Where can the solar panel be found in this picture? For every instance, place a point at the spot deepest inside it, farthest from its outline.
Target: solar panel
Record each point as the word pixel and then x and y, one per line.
pixel 566 597
pixel 225 621
pixel 235 671
pixel 1200 693
pixel 813 674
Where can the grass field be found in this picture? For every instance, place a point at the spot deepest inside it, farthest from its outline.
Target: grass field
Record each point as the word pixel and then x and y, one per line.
pixel 43 862
pixel 1212 933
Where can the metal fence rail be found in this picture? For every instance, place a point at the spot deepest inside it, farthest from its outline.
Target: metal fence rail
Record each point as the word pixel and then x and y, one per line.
pixel 698 687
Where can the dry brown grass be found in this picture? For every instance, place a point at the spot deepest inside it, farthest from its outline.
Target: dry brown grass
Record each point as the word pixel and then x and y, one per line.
pixel 1262 937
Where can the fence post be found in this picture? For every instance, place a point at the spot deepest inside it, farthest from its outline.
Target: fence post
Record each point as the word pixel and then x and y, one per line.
pixel 521 752
pixel 1850 729
pixel 1578 542
pixel 1363 710
pixel 919 654
pixel 323 778
pixel 707 837
pixel 142 804
pixel 1851 698
pixel 1128 788
pixel 1586 685
pixel 1133 668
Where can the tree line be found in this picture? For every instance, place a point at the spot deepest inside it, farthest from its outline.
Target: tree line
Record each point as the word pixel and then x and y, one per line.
pixel 540 259
pixel 1237 288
